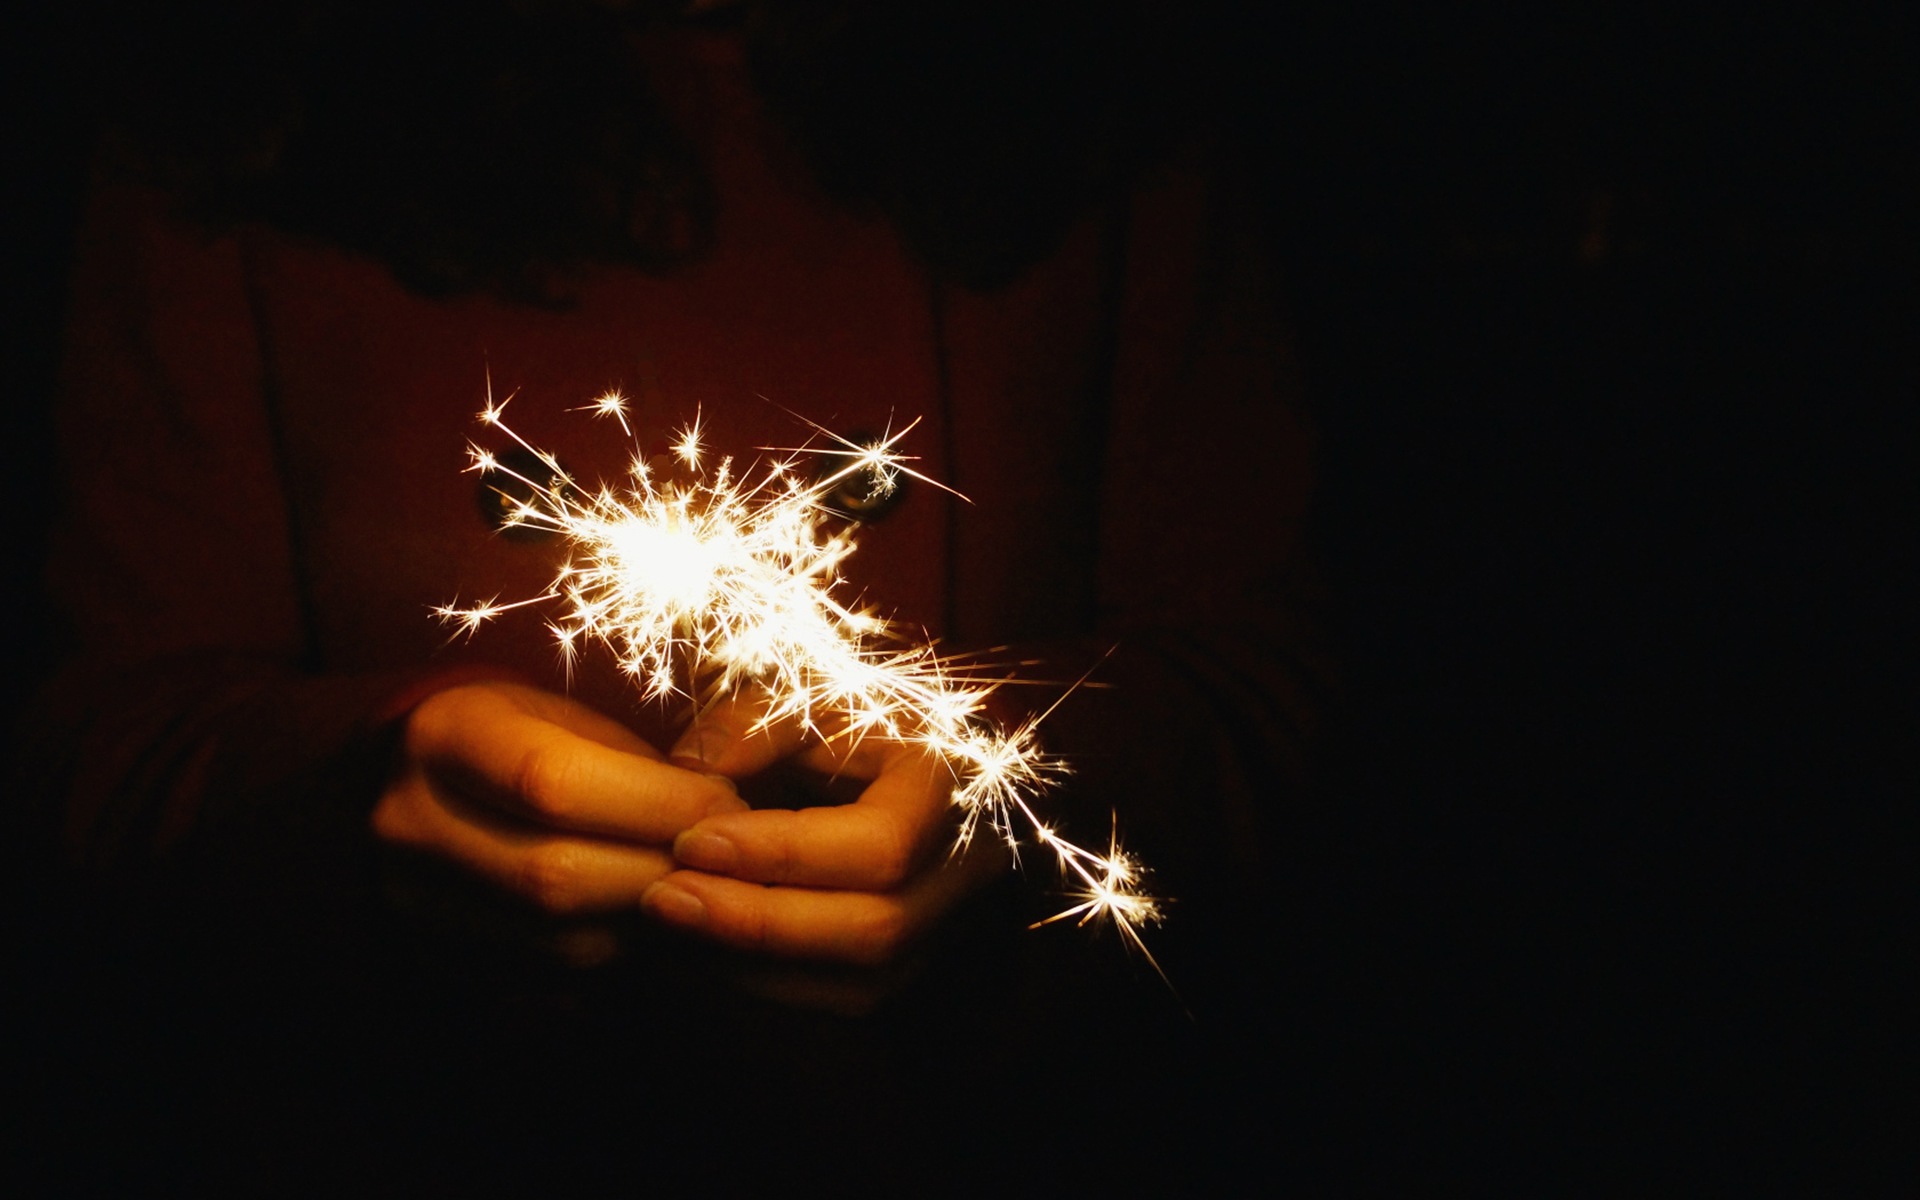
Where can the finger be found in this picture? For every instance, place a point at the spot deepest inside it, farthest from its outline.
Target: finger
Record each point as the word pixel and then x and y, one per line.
pixel 560 874
pixel 589 723
pixel 488 745
pixel 852 754
pixel 867 928
pixel 737 738
pixel 873 844
pixel 734 738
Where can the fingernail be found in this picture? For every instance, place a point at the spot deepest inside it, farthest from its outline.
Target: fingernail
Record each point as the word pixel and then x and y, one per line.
pixel 697 750
pixel 675 906
pixel 706 851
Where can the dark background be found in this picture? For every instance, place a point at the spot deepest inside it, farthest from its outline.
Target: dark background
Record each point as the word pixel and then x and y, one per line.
pixel 1608 324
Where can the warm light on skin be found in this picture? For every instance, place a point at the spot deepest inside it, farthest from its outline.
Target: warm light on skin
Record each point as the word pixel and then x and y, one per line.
pixel 703 586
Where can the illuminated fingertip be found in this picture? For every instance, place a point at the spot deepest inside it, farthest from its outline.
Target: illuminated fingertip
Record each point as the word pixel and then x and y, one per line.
pixel 674 905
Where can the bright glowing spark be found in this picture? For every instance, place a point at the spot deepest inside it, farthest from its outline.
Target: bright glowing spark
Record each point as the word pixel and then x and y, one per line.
pixel 610 404
pixel 701 586
pixel 1108 886
pixel 687 448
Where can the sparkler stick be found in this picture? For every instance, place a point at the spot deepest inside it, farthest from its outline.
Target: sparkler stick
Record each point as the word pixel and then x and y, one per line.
pixel 702 585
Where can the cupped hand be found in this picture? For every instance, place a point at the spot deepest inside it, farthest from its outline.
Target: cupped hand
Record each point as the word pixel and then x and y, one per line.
pixel 542 797
pixel 855 883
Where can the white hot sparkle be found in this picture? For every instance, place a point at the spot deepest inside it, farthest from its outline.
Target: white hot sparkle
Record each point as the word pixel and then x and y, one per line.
pixel 702 585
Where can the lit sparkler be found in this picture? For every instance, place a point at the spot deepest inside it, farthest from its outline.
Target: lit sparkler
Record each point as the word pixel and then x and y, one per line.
pixel 703 585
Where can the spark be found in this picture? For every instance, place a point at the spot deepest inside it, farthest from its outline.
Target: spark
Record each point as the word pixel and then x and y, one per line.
pixel 1109 886
pixel 704 585
pixel 610 403
pixel 877 460
pixel 687 447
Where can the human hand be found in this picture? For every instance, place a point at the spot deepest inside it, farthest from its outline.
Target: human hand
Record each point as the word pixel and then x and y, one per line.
pixel 855 883
pixel 542 798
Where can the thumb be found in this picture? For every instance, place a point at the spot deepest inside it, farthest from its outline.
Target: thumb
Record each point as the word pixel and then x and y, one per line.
pixel 733 738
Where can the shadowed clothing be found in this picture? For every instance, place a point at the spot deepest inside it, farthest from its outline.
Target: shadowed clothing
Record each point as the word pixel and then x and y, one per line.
pixel 264 441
